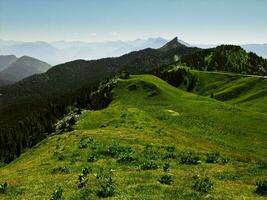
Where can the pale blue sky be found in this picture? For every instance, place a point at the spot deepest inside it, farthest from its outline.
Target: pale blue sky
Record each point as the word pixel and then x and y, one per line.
pixel 194 21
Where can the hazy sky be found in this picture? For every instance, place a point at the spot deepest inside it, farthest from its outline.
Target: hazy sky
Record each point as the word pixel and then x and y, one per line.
pixel 194 21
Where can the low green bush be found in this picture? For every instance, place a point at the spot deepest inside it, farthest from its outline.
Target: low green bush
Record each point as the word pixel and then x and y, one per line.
pixel 92 157
pixel 166 167
pixel 86 171
pixel 148 165
pixel 225 160
pixel 61 170
pixel 106 183
pixel 189 158
pixel 82 180
pixel 57 194
pixel 3 187
pixel 126 158
pixel 115 150
pixel 213 157
pixel 261 187
pixel 166 179
pixel 202 184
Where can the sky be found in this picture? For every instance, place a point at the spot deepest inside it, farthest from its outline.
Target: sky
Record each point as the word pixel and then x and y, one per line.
pixel 194 21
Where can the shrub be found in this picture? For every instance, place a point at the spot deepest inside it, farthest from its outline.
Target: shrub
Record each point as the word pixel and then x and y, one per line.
pixel 60 157
pixel 124 75
pixel 86 171
pixel 190 158
pixel 3 187
pixel 166 179
pixel 166 167
pixel 82 180
pixel 62 170
pixel 225 160
pixel 92 158
pixel 115 150
pixel 126 158
pixel 213 157
pixel 148 165
pixel 106 183
pixel 170 152
pixel 82 144
pixel 57 194
pixel 261 187
pixel 132 87
pixel 149 152
pixel 170 148
pixel 202 184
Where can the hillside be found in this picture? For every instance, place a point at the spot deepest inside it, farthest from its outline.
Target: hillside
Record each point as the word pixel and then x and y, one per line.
pixel 244 91
pixel 148 124
pixel 227 58
pixel 4 82
pixel 73 75
pixel 32 105
pixel 23 67
pixel 6 60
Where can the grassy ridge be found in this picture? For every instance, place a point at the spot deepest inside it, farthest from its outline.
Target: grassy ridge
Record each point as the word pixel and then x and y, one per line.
pixel 246 92
pixel 159 123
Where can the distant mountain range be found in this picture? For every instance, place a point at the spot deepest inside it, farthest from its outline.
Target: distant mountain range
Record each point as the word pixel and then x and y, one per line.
pixel 13 69
pixel 64 51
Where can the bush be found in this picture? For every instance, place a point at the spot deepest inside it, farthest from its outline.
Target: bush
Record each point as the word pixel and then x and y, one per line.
pixel 82 180
pixel 106 184
pixel 132 87
pixel 92 158
pixel 170 148
pixel 225 160
pixel 83 143
pixel 190 158
pixel 166 179
pixel 212 158
pixel 148 165
pixel 126 158
pixel 166 167
pixel 202 184
pixel 86 171
pixel 57 194
pixel 3 187
pixel 115 150
pixel 62 170
pixel 124 75
pixel 261 187
pixel 150 153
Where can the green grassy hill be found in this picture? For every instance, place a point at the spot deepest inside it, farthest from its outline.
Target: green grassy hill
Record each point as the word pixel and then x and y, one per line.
pixel 245 92
pixel 148 125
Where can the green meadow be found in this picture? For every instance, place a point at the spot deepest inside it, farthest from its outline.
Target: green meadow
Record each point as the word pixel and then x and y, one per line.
pixel 154 141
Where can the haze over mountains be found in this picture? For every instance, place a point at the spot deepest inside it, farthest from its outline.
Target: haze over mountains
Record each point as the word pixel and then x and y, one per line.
pixel 13 69
pixel 63 51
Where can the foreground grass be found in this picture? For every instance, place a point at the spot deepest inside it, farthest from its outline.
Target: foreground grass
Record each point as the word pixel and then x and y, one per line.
pixel 148 124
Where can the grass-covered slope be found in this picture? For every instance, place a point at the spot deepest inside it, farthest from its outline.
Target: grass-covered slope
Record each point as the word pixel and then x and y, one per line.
pixel 246 92
pixel 148 125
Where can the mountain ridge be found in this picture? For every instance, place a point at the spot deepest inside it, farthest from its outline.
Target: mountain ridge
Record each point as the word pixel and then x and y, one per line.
pixel 23 67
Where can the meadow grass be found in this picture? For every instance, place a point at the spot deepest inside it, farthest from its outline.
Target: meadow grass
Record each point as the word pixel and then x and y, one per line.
pixel 148 124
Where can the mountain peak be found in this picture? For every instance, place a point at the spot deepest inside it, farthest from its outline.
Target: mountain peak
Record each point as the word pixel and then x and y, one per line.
pixel 174 43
